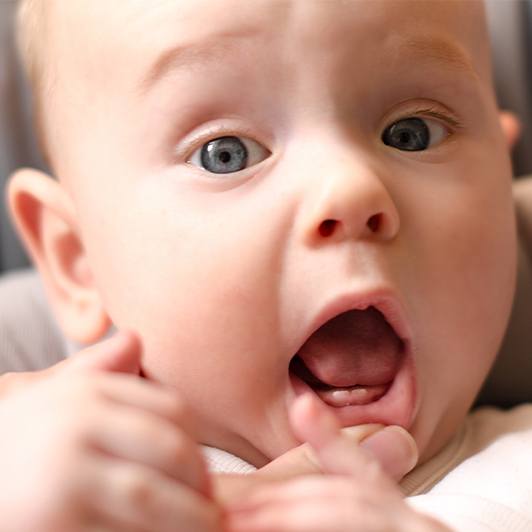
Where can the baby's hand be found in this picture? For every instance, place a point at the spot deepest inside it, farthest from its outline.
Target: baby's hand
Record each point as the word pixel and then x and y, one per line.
pixel 392 447
pixel 105 356
pixel 357 496
pixel 86 450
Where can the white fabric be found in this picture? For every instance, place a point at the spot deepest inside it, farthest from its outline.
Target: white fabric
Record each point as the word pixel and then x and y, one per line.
pixel 488 482
pixel 219 461
pixel 481 481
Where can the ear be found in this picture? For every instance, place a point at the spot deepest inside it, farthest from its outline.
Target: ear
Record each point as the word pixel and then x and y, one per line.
pixel 45 218
pixel 511 127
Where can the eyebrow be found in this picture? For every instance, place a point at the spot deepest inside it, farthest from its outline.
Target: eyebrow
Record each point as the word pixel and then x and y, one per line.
pixel 185 56
pixel 439 50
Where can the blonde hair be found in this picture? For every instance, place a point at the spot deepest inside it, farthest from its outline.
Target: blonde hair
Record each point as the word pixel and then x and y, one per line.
pixel 30 30
pixel 31 35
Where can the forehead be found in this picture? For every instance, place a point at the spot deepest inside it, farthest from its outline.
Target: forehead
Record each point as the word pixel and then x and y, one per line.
pixel 138 30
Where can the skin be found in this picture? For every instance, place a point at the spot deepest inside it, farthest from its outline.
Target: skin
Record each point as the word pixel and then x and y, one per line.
pixel 220 275
pixel 94 448
pixel 109 451
pixel 337 501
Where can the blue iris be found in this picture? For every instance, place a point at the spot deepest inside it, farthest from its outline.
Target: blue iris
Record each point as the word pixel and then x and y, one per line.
pixel 224 155
pixel 409 134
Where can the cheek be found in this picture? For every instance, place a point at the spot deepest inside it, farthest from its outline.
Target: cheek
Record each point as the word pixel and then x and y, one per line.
pixel 465 262
pixel 460 284
pixel 199 288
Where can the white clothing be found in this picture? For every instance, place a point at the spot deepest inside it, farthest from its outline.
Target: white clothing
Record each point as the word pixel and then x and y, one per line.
pixel 481 481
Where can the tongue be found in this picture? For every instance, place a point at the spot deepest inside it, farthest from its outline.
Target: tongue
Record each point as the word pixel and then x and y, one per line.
pixel 357 348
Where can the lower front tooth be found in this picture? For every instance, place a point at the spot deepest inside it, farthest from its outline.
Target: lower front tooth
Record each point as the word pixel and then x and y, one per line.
pixel 356 395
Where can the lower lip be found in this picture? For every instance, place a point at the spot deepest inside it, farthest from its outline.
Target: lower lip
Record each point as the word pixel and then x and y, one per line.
pixel 395 407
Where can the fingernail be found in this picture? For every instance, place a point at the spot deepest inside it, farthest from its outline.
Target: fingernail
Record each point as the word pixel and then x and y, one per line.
pixel 395 449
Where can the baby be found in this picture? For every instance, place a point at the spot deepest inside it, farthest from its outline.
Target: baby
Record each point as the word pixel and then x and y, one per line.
pixel 304 211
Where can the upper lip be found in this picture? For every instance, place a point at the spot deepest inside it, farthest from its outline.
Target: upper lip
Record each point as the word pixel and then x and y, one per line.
pixel 384 300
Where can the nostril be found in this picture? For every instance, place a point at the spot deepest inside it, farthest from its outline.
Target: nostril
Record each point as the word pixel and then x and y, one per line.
pixel 374 223
pixel 327 227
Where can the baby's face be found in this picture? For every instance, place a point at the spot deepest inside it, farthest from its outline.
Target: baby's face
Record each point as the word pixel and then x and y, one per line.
pixel 283 195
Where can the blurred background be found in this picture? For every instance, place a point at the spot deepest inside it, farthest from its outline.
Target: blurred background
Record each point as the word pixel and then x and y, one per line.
pixel 510 24
pixel 17 142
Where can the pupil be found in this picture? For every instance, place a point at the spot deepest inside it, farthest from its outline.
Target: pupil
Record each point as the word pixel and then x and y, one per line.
pixel 225 157
pixel 404 137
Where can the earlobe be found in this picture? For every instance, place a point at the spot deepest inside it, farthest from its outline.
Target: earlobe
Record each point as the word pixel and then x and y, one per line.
pixel 45 218
pixel 511 127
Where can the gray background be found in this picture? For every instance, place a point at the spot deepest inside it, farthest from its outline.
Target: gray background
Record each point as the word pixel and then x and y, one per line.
pixel 17 142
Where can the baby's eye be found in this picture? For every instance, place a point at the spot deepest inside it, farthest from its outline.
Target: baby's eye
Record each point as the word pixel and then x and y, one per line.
pixel 226 155
pixel 414 134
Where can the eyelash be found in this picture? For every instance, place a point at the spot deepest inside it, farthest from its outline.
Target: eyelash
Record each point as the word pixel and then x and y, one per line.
pixel 200 139
pixel 212 133
pixel 431 112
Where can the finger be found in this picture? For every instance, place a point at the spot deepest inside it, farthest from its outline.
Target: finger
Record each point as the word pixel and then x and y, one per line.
pixel 140 498
pixel 303 504
pixel 302 460
pixel 302 516
pixel 310 516
pixel 121 353
pixel 314 423
pixel 152 442
pixel 395 449
pixel 13 381
pixel 148 396
pixel 99 524
pixel 318 486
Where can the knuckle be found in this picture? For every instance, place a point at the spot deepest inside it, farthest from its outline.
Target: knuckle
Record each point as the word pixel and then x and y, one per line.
pixel 374 471
pixel 175 446
pixel 8 377
pixel 11 380
pixel 6 382
pixel 176 407
pixel 77 387
pixel 310 459
pixel 74 416
pixel 137 489
pixel 72 437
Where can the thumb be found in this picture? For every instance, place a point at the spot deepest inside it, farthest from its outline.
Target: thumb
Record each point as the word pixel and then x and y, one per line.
pixel 338 452
pixel 395 449
pixel 120 354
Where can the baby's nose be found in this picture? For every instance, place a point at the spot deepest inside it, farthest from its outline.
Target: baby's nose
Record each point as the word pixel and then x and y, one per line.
pixel 349 200
pixel 329 226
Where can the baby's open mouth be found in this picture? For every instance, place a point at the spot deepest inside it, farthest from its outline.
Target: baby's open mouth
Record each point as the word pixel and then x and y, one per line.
pixel 350 360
